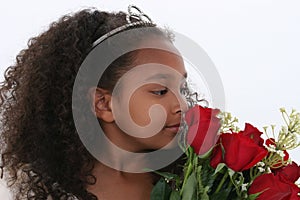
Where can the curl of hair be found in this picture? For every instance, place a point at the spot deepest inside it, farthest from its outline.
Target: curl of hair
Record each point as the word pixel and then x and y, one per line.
pixel 42 154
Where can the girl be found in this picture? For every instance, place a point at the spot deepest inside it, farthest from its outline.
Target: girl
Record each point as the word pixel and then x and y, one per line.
pixel 43 155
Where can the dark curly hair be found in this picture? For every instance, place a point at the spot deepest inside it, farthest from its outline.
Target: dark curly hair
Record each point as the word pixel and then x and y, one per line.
pixel 41 150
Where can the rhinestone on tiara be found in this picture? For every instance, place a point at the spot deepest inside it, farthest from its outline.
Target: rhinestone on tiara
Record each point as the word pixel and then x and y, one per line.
pixel 133 13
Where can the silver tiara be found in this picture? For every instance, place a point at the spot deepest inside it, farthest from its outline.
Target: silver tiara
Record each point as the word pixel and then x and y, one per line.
pixel 133 13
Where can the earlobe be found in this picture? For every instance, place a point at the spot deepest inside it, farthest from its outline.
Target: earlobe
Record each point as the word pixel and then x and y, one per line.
pixel 101 104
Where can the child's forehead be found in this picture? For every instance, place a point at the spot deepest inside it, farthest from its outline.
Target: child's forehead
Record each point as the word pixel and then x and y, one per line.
pixel 155 48
pixel 158 64
pixel 153 73
pixel 164 74
pixel 159 61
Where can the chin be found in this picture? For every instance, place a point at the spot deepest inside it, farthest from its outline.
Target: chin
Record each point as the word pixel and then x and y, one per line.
pixel 163 141
pixel 168 143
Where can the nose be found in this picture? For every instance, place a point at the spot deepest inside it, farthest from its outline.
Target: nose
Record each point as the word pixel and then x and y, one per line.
pixel 179 104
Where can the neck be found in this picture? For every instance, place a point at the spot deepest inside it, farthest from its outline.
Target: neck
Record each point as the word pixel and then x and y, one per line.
pixel 120 151
pixel 117 185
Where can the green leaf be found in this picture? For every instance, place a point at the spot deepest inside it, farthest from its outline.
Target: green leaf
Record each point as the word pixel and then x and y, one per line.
pixel 175 195
pixel 231 172
pixel 253 196
pixel 222 195
pixel 167 175
pixel 189 189
pixel 207 174
pixel 161 191
pixel 219 168
pixel 190 152
pixel 207 154
pixel 202 192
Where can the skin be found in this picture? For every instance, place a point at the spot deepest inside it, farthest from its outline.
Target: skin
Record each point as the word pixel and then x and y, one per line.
pixel 138 133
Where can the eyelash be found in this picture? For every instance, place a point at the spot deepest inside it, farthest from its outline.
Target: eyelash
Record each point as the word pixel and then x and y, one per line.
pixel 183 90
pixel 160 92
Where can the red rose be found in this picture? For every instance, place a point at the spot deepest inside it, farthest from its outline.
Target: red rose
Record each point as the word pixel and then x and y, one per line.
pixel 274 187
pixel 253 133
pixel 290 172
pixel 203 126
pixel 239 151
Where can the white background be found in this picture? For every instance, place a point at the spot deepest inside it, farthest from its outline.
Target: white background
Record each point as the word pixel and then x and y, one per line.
pixel 255 45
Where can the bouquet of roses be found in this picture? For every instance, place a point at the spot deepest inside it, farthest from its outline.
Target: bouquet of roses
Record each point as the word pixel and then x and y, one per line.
pixel 224 162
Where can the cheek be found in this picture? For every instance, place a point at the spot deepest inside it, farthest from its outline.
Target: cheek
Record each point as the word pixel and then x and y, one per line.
pixel 139 108
pixel 149 111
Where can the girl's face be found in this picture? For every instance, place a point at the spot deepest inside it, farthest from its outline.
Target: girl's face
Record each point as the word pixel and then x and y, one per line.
pixel 149 105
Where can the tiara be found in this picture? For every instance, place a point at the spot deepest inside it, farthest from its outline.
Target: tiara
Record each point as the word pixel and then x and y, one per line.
pixel 133 13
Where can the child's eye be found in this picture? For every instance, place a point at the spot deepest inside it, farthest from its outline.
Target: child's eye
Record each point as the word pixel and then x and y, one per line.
pixel 160 92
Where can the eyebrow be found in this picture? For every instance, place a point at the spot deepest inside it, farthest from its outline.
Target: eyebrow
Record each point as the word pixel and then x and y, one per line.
pixel 162 76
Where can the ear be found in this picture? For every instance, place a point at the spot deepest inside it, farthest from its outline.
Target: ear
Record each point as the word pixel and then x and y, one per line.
pixel 101 104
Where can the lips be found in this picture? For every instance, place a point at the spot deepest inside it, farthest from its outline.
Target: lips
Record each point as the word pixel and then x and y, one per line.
pixel 175 125
pixel 173 128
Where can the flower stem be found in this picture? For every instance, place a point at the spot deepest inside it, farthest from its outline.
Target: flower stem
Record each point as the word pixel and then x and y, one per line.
pixel 187 174
pixel 221 183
